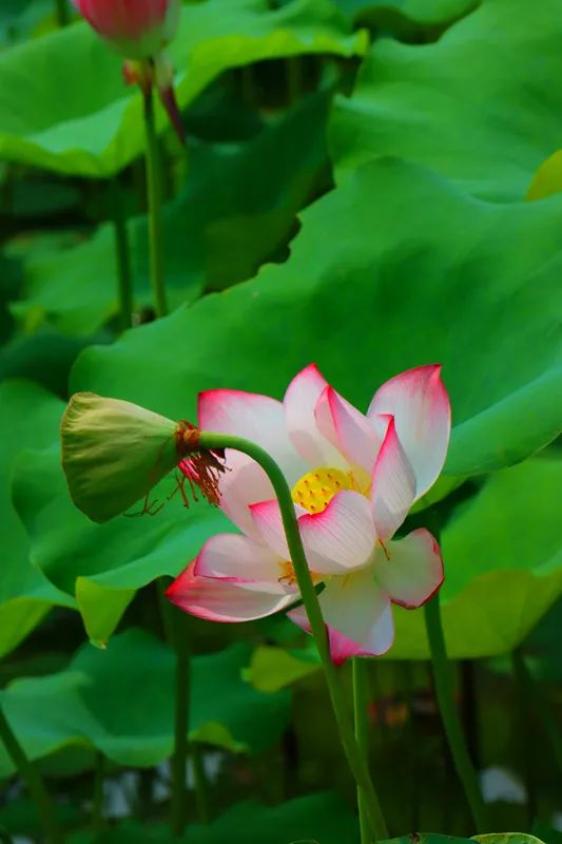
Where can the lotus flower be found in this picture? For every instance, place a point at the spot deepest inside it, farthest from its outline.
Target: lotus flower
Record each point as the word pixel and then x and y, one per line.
pixel 353 479
pixel 139 29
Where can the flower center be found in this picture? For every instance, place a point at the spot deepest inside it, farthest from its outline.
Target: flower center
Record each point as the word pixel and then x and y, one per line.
pixel 315 490
pixel 288 575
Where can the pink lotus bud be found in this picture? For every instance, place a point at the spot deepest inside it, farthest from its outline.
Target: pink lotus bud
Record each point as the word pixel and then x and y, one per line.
pixel 138 29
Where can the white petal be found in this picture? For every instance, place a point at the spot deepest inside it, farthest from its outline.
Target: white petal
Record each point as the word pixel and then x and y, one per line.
pixel 414 570
pixel 358 614
pixel 340 538
pixel 393 487
pixel 234 556
pixel 420 405
pixel 300 402
pixel 267 520
pixel 255 417
pixel 347 429
pixel 243 484
pixel 221 599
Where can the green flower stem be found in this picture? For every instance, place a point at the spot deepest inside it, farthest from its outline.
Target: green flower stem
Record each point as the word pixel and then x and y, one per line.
pixel 360 702
pixel 154 195
pixel 123 256
pixel 449 714
pixel 351 749
pixel 201 784
pixel 182 700
pixel 32 778
pixel 98 821
pixel 533 697
pixel 61 12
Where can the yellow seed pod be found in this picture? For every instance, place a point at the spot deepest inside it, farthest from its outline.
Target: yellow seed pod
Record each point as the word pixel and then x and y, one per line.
pixel 113 453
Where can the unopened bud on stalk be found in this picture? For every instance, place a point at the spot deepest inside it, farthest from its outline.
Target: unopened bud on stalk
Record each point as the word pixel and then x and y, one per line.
pixel 138 29
pixel 114 452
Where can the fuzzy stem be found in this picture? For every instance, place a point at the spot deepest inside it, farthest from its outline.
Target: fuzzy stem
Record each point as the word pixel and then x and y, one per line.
pixel 211 441
pixel 32 778
pixel 61 12
pixel 450 715
pixel 360 702
pixel 154 197
pixel 123 257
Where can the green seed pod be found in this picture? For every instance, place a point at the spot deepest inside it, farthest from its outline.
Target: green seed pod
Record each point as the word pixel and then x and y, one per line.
pixel 114 452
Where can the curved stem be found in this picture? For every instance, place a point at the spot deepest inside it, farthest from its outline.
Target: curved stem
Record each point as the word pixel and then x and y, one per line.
pixel 360 703
pixel 32 778
pixel 355 759
pixel 450 715
pixel 154 196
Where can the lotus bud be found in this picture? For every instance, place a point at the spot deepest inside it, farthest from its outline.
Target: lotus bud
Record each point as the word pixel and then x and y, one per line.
pixel 138 29
pixel 114 452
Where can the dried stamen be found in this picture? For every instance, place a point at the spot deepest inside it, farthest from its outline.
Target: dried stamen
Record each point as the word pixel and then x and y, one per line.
pixel 200 468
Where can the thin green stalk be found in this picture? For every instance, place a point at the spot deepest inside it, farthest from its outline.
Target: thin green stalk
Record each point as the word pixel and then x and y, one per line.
pixel 123 257
pixel 201 784
pixel 449 714
pixel 533 696
pixel 360 703
pixel 32 778
pixel 61 12
pixel 179 760
pixel 154 196
pixel 98 821
pixel 310 599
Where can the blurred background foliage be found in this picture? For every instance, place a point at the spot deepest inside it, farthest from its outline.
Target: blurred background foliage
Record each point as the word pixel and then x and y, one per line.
pixel 353 193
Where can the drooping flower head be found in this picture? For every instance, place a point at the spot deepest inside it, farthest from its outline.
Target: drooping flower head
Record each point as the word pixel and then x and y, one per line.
pixel 354 478
pixel 138 29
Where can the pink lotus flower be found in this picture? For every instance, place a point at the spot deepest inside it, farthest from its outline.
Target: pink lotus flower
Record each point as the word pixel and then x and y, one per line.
pixel 139 29
pixel 353 479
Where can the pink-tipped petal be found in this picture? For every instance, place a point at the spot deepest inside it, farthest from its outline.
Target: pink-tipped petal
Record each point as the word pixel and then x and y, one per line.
pixel 233 556
pixel 225 600
pixel 358 615
pixel 300 402
pixel 267 520
pixel 347 429
pixel 340 538
pixel 393 487
pixel 420 405
pixel 255 417
pixel 414 571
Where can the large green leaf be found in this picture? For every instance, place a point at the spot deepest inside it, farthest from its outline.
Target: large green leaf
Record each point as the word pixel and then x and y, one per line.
pixel 236 210
pixel 27 414
pixel 356 308
pixel 103 565
pixel 121 702
pixel 315 818
pixel 452 105
pixel 373 287
pixel 63 105
pixel 402 16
